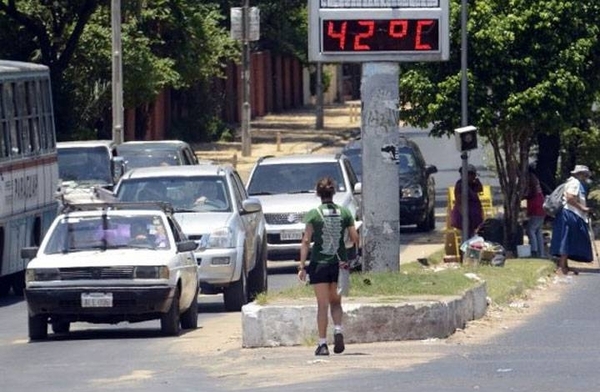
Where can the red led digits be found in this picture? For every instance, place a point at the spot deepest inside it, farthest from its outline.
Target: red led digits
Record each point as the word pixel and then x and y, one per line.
pixel 358 45
pixel 341 35
pixel 398 28
pixel 419 45
pixel 381 35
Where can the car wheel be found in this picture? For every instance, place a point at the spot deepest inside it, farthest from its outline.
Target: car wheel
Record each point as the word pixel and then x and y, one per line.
pixel 4 286
pixel 169 322
pixel 189 318
pixel 38 327
pixel 236 295
pixel 18 283
pixel 431 219
pixel 61 326
pixel 258 277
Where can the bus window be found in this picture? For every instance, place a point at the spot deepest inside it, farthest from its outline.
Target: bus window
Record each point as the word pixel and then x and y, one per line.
pixel 22 121
pixel 3 128
pixel 9 96
pixel 32 100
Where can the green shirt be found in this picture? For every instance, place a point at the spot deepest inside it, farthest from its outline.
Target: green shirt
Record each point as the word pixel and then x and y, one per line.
pixel 329 222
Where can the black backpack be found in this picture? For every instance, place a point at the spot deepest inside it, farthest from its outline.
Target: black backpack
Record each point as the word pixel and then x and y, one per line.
pixel 553 202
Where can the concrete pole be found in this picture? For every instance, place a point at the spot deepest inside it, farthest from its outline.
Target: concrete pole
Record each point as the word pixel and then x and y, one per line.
pixel 464 121
pixel 117 73
pixel 246 140
pixel 380 136
pixel 319 118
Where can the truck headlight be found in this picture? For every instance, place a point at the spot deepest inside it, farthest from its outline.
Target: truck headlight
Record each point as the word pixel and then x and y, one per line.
pixel 151 272
pixel 218 238
pixel 41 274
pixel 412 192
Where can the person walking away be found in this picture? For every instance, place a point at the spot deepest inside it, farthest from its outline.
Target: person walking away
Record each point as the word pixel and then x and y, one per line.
pixel 570 235
pixel 326 226
pixel 535 215
pixel 475 209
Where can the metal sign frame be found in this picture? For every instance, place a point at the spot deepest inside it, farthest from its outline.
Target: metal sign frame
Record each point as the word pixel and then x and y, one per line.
pixel 419 10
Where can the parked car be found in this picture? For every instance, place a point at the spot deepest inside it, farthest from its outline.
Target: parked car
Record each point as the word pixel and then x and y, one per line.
pixel 213 208
pixel 84 166
pixel 417 184
pixel 108 263
pixel 286 188
pixel 156 153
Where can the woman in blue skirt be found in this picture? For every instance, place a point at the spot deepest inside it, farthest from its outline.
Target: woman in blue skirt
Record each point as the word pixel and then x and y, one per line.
pixel 570 235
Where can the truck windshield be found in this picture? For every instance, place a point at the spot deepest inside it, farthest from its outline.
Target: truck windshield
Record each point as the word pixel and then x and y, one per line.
pixel 84 164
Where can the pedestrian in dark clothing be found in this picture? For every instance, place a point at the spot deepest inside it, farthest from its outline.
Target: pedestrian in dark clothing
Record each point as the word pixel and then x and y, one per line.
pixel 475 208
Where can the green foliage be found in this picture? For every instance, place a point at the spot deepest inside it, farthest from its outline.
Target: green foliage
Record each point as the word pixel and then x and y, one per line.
pixel 533 66
pixel 166 44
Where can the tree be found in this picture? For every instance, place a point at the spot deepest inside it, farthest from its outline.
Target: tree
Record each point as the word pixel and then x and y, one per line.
pixel 51 31
pixel 533 68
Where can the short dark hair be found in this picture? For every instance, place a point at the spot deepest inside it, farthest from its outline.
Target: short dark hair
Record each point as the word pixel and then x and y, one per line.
pixel 326 188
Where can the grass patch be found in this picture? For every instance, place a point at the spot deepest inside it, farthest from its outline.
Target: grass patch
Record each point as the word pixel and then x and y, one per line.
pixel 503 283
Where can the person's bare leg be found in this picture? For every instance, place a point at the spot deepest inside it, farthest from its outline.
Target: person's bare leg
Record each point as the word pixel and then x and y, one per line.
pixel 335 303
pixel 322 295
pixel 562 265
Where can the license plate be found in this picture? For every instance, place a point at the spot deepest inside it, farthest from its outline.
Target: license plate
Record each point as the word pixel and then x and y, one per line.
pixel 96 300
pixel 290 235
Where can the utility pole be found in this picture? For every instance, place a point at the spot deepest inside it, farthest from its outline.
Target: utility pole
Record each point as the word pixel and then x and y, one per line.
pixel 319 120
pixel 380 139
pixel 464 190
pixel 117 73
pixel 246 139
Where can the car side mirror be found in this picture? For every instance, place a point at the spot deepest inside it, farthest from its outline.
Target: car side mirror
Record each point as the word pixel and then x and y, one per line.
pixel 187 246
pixel 431 169
pixel 118 168
pixel 251 205
pixel 29 252
pixel 358 188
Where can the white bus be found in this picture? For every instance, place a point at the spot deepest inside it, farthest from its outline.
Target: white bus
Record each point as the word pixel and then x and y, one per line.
pixel 28 166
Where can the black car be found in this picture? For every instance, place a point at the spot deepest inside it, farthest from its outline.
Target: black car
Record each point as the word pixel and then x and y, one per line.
pixel 417 185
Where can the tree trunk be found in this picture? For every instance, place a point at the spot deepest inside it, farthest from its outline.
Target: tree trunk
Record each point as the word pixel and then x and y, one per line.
pixel 547 161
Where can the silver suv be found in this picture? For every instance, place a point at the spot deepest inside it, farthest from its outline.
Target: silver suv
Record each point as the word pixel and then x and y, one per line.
pixel 286 188
pixel 212 207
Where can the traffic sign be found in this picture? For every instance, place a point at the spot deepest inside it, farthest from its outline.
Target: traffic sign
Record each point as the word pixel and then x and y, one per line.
pixel 237 30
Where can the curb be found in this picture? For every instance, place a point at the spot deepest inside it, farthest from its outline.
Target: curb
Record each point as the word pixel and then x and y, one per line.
pixel 293 325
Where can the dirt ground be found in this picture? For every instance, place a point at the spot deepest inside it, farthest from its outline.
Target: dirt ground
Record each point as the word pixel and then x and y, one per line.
pixel 217 346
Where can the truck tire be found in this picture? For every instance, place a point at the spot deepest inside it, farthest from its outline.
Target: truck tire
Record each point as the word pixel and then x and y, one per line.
pixel 61 326
pixel 38 327
pixel 236 295
pixel 189 318
pixel 169 322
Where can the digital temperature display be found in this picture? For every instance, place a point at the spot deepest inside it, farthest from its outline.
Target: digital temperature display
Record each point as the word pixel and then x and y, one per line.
pixel 360 31
pixel 380 35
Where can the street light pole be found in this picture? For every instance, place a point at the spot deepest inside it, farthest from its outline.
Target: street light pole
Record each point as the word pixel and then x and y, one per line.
pixel 246 141
pixel 117 73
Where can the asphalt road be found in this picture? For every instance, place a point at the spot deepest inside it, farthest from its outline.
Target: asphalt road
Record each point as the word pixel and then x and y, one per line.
pixel 554 350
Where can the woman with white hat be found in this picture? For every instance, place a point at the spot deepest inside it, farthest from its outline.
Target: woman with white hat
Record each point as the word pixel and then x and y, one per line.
pixel 570 236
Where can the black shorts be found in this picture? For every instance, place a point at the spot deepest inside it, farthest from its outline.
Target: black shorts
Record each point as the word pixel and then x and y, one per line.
pixel 323 273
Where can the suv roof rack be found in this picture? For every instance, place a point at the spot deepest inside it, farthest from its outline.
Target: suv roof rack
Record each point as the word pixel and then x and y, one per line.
pixel 146 205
